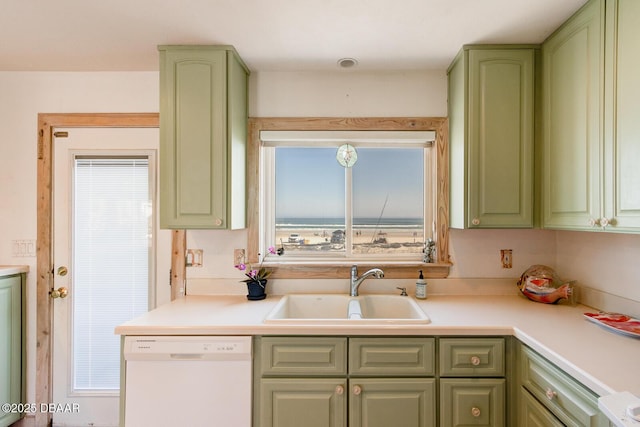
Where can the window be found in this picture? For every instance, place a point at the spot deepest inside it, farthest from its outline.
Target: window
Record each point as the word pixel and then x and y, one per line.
pixel 381 206
pixel 112 244
pixel 261 189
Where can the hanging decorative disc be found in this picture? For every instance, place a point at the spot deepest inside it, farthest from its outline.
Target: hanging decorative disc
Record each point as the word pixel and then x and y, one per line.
pixel 347 155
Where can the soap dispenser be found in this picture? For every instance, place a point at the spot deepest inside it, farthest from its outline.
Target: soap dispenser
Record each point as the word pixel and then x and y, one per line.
pixel 421 287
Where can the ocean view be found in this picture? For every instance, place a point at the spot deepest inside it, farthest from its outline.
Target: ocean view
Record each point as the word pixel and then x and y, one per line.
pixel 337 223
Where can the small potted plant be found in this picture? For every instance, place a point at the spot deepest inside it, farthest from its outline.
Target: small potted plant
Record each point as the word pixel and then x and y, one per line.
pixel 256 277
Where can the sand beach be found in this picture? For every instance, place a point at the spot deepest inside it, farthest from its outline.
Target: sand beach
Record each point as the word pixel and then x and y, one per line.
pixel 365 240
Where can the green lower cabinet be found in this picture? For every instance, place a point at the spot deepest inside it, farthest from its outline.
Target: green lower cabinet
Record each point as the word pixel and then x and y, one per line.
pixel 564 397
pixel 11 344
pixel 385 402
pixel 472 402
pixel 295 402
pixel 533 414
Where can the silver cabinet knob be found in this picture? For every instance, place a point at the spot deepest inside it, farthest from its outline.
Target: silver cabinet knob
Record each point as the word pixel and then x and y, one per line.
pixel 475 360
pixel 593 222
pixel 604 222
pixel 475 412
pixel 357 390
pixel 475 221
pixel 339 390
pixel 218 222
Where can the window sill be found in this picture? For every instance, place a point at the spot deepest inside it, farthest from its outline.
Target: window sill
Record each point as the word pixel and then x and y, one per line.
pixel 341 270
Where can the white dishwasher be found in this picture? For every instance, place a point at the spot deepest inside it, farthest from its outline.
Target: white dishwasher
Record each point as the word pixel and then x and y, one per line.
pixel 196 381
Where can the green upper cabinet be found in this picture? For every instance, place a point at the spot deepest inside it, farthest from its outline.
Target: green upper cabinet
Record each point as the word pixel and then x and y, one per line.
pixel 622 127
pixel 491 137
pixel 590 99
pixel 203 134
pixel 572 83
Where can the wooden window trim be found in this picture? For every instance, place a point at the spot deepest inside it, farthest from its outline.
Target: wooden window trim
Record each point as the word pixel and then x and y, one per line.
pixel 439 269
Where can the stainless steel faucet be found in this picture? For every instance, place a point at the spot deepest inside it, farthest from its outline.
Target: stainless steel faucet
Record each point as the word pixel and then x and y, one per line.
pixel 356 281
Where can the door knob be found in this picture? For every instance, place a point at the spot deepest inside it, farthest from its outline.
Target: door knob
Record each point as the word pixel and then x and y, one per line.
pixel 61 292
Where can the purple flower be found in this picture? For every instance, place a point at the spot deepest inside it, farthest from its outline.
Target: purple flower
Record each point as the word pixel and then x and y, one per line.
pixel 241 266
pixel 272 250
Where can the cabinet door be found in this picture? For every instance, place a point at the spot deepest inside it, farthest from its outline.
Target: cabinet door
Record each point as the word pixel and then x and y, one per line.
pixel 384 402
pixel 622 149
pixel 501 132
pixel 572 81
pixel 562 395
pixel 203 133
pixel 193 137
pixel 317 402
pixel 533 414
pixel 472 402
pixel 10 345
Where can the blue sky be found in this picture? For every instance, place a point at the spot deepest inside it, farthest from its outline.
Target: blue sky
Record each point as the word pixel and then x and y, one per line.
pixel 310 183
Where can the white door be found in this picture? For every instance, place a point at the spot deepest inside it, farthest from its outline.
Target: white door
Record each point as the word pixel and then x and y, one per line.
pixel 110 260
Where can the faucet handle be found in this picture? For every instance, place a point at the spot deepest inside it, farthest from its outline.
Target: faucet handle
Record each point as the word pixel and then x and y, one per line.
pixel 404 291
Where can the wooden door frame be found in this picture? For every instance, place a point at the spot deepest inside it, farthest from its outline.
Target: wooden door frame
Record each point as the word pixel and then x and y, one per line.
pixel 44 251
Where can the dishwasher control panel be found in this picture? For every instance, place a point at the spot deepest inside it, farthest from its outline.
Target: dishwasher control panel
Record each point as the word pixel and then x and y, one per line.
pixel 186 347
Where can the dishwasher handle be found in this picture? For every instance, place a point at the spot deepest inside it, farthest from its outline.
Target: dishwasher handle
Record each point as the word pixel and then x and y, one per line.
pixel 186 356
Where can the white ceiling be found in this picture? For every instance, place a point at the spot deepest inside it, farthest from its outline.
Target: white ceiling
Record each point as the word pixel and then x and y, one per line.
pixel 97 35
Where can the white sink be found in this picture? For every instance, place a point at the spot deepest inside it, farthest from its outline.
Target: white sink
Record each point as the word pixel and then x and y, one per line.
pixel 336 309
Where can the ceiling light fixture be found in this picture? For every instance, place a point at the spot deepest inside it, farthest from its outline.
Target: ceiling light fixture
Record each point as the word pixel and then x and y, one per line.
pixel 347 62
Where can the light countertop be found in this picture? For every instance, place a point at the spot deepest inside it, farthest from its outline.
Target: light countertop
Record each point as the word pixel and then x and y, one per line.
pixel 9 270
pixel 604 361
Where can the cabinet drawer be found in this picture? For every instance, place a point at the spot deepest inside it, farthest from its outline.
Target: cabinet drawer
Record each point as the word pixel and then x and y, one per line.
pixel 308 356
pixel 567 399
pixel 294 402
pixel 472 357
pixel 472 402
pixel 392 356
pixel 391 402
pixel 533 414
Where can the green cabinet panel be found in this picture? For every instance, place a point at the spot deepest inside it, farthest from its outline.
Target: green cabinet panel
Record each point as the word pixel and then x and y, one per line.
pixel 622 127
pixel 11 346
pixel 309 356
pixel 295 402
pixel 533 414
pixel 302 380
pixel 472 357
pixel 472 402
pixel 568 400
pixel 384 402
pixel 203 133
pixel 572 83
pixel 491 137
pixel 392 356
pixel 590 101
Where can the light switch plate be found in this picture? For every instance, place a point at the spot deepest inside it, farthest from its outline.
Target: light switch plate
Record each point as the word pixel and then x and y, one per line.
pixel 238 256
pixel 506 257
